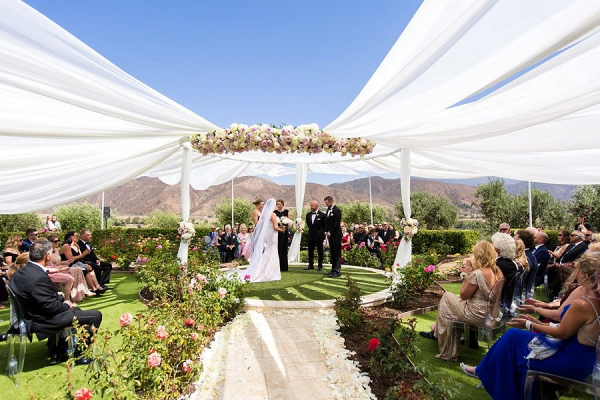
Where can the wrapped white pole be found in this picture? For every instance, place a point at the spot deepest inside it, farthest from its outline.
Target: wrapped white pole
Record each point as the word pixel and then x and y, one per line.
pixel 404 255
pixel 370 200
pixel 102 213
pixel 232 204
pixel 186 173
pixel 530 204
pixel 300 188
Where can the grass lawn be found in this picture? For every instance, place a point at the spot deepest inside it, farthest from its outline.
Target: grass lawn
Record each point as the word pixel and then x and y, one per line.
pixel 297 284
pixel 40 380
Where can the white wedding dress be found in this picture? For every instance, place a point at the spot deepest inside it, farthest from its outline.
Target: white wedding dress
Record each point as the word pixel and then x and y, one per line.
pixel 264 265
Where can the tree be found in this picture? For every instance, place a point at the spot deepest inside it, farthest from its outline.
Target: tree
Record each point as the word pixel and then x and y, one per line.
pixel 494 201
pixel 585 202
pixel 162 219
pixel 19 222
pixel 357 212
pixel 75 217
pixel 432 212
pixel 242 211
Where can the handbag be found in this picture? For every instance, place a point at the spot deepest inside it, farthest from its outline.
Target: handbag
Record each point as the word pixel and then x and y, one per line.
pixel 543 346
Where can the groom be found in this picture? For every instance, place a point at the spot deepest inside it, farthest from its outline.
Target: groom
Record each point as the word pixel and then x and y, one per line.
pixel 333 231
pixel 315 221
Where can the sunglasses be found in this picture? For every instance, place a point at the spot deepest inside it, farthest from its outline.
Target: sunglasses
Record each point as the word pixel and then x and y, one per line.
pixel 560 234
pixel 573 235
pixel 55 241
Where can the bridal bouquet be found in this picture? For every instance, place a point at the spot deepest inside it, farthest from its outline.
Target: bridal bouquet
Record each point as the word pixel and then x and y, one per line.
pixel 298 225
pixel 409 227
pixel 285 221
pixel 186 230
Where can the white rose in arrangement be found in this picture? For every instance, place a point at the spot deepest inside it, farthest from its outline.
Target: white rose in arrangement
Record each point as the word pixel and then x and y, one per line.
pixel 234 127
pixel 313 127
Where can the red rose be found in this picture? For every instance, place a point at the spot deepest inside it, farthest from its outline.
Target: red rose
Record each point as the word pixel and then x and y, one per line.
pixel 374 343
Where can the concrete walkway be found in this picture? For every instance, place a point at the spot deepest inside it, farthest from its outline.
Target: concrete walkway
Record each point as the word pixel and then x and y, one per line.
pixel 282 355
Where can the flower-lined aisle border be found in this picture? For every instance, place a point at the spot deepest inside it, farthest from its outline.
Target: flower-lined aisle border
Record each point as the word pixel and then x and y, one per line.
pixel 239 138
pixel 344 377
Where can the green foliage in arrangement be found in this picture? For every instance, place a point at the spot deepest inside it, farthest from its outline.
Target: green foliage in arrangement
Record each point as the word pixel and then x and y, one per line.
pixel 242 211
pixel 358 212
pixel 159 355
pixel 347 307
pixel 162 219
pixel 414 279
pixel 432 212
pixel 75 217
pixel 19 223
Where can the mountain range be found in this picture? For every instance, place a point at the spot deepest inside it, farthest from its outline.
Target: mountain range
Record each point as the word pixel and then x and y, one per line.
pixel 143 195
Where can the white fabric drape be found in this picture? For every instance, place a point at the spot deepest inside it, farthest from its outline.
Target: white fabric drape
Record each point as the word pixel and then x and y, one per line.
pixel 404 254
pixel 300 188
pixel 186 171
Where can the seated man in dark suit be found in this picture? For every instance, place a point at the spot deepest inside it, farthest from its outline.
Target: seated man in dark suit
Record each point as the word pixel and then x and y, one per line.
pixel 229 244
pixel 541 255
pixel 46 313
pixel 102 269
pixel 32 235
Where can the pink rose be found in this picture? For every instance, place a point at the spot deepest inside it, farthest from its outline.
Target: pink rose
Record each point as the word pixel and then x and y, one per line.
pixel 247 277
pixel 161 332
pixel 125 319
pixel 83 394
pixel 188 322
pixel 194 336
pixel 222 292
pixel 154 360
pixel 431 268
pixel 159 246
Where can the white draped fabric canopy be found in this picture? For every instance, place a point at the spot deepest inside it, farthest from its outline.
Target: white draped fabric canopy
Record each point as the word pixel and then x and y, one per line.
pixel 471 88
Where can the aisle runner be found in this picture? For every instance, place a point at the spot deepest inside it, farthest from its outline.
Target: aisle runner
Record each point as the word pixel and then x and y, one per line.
pixel 289 354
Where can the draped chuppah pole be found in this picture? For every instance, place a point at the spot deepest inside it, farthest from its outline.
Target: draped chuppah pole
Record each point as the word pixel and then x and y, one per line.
pixel 232 203
pixel 186 173
pixel 530 204
pixel 370 200
pixel 300 188
pixel 404 254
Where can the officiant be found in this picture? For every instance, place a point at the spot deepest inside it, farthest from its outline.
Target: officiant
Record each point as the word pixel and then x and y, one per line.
pixel 282 237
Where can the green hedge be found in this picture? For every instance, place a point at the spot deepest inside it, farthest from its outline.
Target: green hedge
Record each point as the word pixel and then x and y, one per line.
pixel 444 242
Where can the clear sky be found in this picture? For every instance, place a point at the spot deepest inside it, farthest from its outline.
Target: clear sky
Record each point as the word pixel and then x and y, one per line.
pixel 261 61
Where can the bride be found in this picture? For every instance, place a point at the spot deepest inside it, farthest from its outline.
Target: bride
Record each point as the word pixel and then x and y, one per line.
pixel 264 265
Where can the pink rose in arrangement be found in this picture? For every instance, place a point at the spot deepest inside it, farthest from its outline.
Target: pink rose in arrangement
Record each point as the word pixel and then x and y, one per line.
pixel 84 394
pixel 374 343
pixel 194 336
pixel 161 332
pixel 247 277
pixel 189 322
pixel 222 292
pixel 431 268
pixel 125 319
pixel 362 244
pixel 154 360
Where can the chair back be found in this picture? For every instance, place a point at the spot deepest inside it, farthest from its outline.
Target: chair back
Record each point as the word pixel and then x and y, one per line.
pixel 17 314
pixel 494 313
pixel 511 288
pixel 528 282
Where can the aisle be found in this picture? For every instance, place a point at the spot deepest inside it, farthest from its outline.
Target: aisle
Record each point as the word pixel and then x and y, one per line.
pixel 288 354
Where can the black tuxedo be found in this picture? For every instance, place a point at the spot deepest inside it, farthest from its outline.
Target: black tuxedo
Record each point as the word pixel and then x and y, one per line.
pixel 227 239
pixel 316 236
pixel 45 310
pixel 333 226
pixel 385 235
pixel 102 269
pixel 542 256
pixel 573 252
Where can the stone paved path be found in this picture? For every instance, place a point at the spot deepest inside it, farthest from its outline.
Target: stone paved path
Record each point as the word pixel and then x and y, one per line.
pixel 277 355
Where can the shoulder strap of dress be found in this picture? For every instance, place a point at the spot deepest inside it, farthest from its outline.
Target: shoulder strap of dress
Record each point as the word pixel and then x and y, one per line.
pixel 596 320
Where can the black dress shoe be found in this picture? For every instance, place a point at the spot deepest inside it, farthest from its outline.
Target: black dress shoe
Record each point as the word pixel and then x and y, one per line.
pixel 58 358
pixel 107 288
pixel 320 269
pixel 335 275
pixel 428 335
pixel 84 361
pixel 3 337
pixel 307 268
pixel 328 273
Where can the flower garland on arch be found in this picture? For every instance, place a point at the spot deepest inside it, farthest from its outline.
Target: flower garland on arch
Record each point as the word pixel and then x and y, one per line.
pixel 239 138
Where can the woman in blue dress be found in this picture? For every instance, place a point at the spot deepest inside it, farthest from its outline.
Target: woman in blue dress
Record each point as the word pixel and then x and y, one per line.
pixel 504 368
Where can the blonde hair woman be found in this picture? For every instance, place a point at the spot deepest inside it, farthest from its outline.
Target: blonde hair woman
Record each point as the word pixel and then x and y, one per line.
pixel 259 204
pixel 520 256
pixel 11 250
pixel 472 304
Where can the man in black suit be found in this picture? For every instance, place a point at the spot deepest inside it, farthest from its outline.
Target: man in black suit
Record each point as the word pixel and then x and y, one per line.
pixel 32 235
pixel 46 313
pixel 559 274
pixel 333 231
pixel 315 221
pixel 575 249
pixel 102 269
pixel 228 243
pixel 542 256
pixel 384 233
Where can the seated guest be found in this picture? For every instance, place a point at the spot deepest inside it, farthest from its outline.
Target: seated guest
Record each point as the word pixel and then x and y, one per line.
pixel 563 243
pixel 46 313
pixel 12 249
pixel 385 233
pixel 394 234
pixel 540 252
pixel 101 268
pixel 32 235
pixel 245 241
pixel 573 355
pixel 360 236
pixel 581 223
pixel 506 248
pixel 71 252
pixel 76 288
pixel 346 239
pixel 472 305
pixel 558 275
pixel 588 236
pixel 49 224
pixel 212 234
pixel 229 244
pixel 374 242
pixel 56 223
